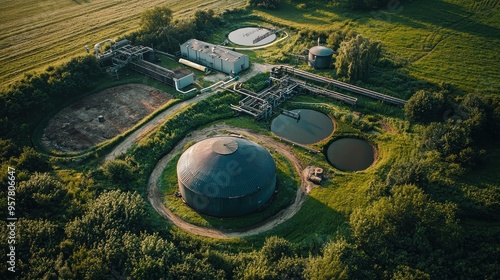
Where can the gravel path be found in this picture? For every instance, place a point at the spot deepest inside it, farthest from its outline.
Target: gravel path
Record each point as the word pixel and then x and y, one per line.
pixel 156 198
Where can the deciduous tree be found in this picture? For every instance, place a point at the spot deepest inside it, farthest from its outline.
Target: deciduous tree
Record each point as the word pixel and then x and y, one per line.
pixel 268 4
pixel 425 106
pixel 339 260
pixel 113 212
pixel 407 228
pixel 119 172
pixel 155 20
pixel 41 196
pixel 355 56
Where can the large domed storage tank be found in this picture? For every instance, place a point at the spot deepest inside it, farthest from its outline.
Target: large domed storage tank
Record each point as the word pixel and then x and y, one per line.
pixel 320 57
pixel 226 176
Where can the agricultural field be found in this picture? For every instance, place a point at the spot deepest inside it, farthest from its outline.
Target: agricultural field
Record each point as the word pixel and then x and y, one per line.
pixel 35 34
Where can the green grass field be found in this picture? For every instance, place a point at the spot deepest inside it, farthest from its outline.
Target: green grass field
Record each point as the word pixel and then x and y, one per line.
pixel 453 41
pixel 35 34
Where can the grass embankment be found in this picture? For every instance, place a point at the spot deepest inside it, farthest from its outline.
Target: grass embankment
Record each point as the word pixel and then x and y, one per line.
pixel 35 34
pixel 452 41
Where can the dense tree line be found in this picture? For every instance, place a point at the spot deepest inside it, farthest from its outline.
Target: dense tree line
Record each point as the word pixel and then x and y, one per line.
pixel 268 4
pixel 160 30
pixel 457 131
pixel 27 100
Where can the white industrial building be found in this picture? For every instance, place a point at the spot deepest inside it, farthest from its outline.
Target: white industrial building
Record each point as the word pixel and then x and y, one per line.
pixel 215 57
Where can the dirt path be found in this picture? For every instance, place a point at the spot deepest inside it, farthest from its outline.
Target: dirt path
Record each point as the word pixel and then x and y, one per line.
pixel 156 198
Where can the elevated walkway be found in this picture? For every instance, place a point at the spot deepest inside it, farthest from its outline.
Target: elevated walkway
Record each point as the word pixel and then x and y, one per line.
pixel 290 71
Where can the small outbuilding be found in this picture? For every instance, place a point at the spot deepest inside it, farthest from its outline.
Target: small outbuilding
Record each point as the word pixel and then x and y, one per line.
pixel 226 176
pixel 320 57
pixel 215 57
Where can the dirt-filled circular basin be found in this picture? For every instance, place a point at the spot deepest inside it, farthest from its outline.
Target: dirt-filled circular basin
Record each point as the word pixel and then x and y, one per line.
pixel 101 116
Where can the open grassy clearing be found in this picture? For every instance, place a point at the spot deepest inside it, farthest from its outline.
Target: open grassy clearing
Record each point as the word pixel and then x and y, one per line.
pixel 453 41
pixel 34 34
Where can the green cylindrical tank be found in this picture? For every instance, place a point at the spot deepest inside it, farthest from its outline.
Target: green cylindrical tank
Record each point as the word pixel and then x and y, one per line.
pixel 320 57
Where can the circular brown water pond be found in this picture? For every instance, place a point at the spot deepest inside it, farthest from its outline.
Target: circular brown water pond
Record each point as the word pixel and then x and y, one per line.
pixel 311 127
pixel 350 154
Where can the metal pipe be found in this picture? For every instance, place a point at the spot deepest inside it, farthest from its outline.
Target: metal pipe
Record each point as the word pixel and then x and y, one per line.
pixel 184 92
pixel 194 65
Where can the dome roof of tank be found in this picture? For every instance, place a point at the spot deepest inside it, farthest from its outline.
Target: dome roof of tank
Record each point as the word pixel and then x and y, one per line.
pixel 321 51
pixel 226 167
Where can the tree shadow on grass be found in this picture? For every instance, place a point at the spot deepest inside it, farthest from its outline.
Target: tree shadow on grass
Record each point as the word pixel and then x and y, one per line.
pixel 314 223
pixel 312 15
pixel 444 15
pixel 476 192
pixel 440 15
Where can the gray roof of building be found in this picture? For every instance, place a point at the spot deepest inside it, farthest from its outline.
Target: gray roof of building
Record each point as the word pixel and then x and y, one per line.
pixel 321 51
pixel 226 167
pixel 214 50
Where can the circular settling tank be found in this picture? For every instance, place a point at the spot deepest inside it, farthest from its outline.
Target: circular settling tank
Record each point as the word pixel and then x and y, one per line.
pixel 252 36
pixel 310 127
pixel 350 154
